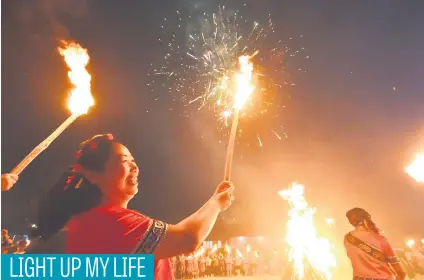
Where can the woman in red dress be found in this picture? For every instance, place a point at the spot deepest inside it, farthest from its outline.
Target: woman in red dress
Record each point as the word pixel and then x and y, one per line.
pixel 91 201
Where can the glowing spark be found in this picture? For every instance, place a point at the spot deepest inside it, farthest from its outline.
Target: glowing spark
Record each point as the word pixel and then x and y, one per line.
pixel 192 56
pixel 416 169
pixel 276 134
pixel 76 57
pixel 307 249
pixel 226 115
pixel 259 140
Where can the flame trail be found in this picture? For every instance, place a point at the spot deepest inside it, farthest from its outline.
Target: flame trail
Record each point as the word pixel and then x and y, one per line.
pixel 309 253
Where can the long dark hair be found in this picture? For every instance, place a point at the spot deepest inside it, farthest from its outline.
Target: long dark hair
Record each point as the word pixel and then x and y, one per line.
pixel 360 217
pixel 73 194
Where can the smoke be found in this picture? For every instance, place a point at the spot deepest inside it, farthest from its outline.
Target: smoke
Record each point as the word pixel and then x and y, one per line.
pixel 42 22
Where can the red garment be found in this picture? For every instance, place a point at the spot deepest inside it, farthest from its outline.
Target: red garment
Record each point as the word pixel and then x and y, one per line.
pixel 364 265
pixel 116 230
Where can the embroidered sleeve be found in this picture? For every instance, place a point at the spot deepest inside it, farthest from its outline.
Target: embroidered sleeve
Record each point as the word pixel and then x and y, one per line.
pixel 155 232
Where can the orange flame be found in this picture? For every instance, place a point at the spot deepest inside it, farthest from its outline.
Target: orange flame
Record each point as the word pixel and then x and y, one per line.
pixel 244 81
pixel 303 239
pixel 76 57
pixel 416 169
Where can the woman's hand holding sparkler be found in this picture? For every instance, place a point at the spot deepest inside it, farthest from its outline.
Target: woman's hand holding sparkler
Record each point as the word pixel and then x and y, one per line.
pixel 224 195
pixel 8 180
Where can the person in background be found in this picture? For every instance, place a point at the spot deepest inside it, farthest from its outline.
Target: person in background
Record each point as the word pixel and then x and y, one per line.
pixel 229 265
pixel 254 263
pixel 8 180
pixel 238 264
pixel 180 267
pixel 202 266
pixel 195 267
pixel 174 265
pixel 215 264
pixel 190 266
pixel 92 199
pixel 221 259
pixel 370 253
pixel 246 264
pixel 209 268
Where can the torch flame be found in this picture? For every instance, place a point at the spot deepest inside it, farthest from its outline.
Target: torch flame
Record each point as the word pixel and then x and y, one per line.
pixel 306 248
pixel 416 169
pixel 244 81
pixel 76 57
pixel 410 243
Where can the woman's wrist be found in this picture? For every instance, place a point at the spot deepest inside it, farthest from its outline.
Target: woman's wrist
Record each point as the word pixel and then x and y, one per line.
pixel 214 203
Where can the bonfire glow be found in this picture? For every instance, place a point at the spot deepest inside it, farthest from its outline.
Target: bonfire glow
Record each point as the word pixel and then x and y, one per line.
pixel 308 253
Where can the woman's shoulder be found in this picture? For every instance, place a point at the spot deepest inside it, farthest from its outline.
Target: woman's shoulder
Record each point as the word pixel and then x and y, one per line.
pixel 107 214
pixel 114 211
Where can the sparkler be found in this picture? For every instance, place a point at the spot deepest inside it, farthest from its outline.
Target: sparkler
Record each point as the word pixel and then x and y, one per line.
pixel 79 102
pixel 244 90
pixel 309 253
pixel 416 169
pixel 202 57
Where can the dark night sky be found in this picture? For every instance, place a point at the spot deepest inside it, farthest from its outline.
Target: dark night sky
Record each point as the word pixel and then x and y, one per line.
pixel 350 133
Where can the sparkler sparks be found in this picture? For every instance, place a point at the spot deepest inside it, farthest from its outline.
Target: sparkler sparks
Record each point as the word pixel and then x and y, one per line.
pixel 202 60
pixel 309 253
